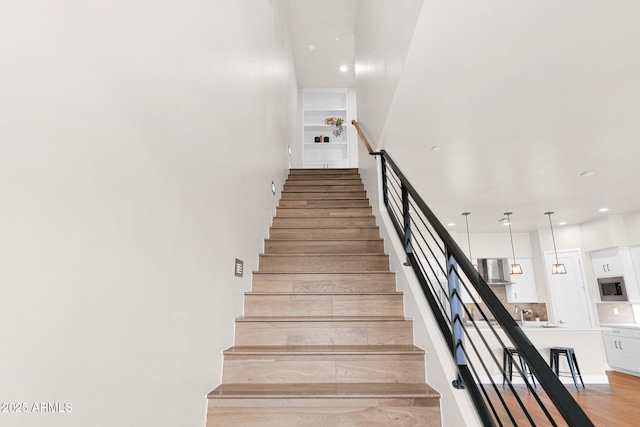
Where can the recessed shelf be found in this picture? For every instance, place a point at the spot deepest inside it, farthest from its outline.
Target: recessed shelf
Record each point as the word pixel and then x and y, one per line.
pixel 319 126
pixel 319 110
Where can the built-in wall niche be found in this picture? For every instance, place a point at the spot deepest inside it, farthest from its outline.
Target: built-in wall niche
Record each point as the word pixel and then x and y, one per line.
pixel 324 145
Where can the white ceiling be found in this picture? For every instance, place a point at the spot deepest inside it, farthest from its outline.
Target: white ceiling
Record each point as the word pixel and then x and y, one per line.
pixel 329 25
pixel 502 171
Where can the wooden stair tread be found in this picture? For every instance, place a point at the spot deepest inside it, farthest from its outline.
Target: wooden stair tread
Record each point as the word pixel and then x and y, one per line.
pixel 304 294
pixel 324 216
pixel 317 190
pixel 349 239
pixel 322 255
pixel 328 273
pixel 320 227
pixel 331 199
pixel 325 350
pixel 327 319
pixel 322 170
pixel 325 181
pixel 325 272
pixel 324 390
pixel 331 214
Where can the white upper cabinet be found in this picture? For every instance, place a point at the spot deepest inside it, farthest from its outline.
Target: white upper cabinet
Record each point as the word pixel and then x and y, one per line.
pixel 607 262
pixel 523 288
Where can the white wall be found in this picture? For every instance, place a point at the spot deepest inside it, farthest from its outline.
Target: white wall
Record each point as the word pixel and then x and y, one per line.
pixel 138 141
pixel 494 245
pixel 383 35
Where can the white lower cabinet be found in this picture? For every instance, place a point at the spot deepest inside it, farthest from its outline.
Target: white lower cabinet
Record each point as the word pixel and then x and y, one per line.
pixel 622 349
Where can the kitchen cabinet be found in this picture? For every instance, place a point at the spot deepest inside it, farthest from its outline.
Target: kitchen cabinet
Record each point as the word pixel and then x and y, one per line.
pixel 318 106
pixel 523 288
pixel 612 262
pixel 622 349
pixel 607 262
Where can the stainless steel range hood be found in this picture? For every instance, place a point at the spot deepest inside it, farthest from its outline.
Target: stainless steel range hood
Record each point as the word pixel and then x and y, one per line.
pixel 495 271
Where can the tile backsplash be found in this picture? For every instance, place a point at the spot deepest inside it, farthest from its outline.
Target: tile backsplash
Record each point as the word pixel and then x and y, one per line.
pixel 501 293
pixel 615 313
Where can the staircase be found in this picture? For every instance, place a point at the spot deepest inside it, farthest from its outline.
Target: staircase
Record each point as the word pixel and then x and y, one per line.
pixel 323 341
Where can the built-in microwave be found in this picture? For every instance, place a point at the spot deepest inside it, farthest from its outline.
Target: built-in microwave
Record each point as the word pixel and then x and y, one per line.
pixel 612 289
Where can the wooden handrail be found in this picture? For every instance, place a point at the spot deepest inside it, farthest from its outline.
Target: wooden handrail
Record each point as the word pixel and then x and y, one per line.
pixel 361 134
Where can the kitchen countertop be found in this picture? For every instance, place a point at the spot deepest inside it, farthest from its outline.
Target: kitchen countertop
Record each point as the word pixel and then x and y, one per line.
pixel 620 325
pixel 543 327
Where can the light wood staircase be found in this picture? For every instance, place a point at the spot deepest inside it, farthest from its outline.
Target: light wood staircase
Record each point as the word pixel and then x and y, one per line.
pixel 323 340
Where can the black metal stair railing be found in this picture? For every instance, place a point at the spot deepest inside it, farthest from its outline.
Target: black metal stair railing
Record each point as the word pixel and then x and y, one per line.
pixel 465 309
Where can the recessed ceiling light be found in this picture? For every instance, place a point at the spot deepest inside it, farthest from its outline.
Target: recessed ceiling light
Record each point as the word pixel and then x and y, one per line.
pixel 435 148
pixel 451 224
pixel 562 223
pixel 344 68
pixel 337 39
pixel 603 209
pixel 587 174
pixel 311 47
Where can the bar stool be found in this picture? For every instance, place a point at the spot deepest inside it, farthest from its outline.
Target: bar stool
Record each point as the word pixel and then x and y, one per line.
pixel 570 354
pixel 507 362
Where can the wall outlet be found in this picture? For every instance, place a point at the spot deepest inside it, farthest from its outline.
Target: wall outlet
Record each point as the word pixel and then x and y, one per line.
pixel 615 310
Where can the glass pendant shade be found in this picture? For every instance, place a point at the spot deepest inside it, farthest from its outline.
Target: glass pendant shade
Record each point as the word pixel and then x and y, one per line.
pixel 515 267
pixel 556 268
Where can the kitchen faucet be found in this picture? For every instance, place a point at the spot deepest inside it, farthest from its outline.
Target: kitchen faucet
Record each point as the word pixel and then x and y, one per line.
pixel 523 313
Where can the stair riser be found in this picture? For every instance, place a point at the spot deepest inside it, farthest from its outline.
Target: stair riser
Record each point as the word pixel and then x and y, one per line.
pixel 320 203
pixel 325 211
pixel 288 369
pixel 324 247
pixel 324 188
pixel 296 222
pixel 337 195
pixel 367 413
pixel 320 181
pixel 323 333
pixel 324 233
pixel 301 282
pixel 322 263
pixel 313 172
pixel 323 305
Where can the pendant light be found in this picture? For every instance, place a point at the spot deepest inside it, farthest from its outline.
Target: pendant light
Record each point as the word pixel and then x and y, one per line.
pixel 515 267
pixel 466 220
pixel 556 268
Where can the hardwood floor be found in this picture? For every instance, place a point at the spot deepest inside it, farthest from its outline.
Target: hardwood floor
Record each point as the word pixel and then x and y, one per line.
pixel 616 404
